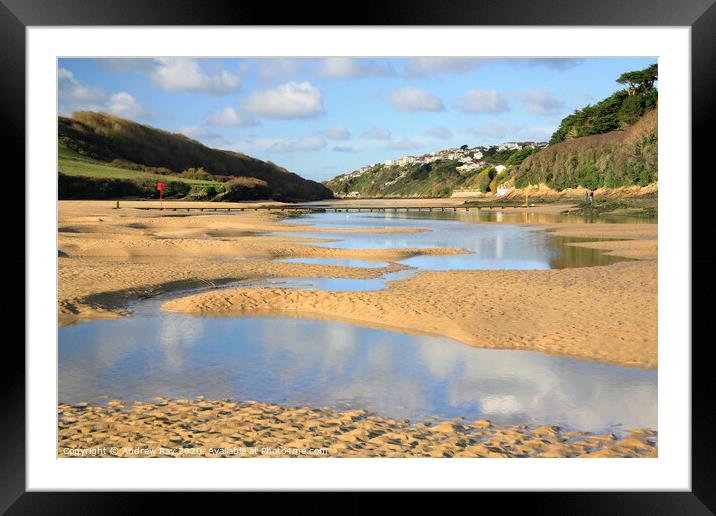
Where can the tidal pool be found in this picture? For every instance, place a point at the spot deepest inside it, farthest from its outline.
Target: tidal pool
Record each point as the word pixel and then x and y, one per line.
pixel 320 363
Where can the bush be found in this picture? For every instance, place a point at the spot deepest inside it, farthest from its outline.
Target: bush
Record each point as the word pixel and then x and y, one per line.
pixel 502 176
pixel 483 179
pixel 245 188
pixel 519 156
pixel 81 187
pixel 175 189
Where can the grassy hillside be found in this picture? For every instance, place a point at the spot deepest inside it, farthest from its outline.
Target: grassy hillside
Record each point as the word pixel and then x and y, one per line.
pixel 610 160
pixel 105 147
pixel 72 163
pixel 611 144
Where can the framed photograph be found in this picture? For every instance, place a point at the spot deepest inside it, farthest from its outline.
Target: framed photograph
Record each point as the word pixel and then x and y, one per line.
pixel 417 252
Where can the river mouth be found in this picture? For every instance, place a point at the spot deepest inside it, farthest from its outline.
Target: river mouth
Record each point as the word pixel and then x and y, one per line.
pixel 302 361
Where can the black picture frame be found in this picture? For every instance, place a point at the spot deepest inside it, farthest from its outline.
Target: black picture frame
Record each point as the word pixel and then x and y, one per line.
pixel 699 15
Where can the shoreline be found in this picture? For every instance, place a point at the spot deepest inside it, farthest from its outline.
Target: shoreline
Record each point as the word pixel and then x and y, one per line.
pixel 116 256
pixel 519 324
pixel 110 258
pixel 224 428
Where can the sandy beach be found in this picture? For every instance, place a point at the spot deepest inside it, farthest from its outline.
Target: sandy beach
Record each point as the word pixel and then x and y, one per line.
pixel 109 258
pixel 219 428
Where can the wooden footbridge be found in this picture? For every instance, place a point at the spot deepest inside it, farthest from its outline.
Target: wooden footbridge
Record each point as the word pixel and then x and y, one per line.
pixel 327 208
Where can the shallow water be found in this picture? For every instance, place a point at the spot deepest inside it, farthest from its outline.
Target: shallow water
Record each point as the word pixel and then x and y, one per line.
pixel 340 262
pixel 298 361
pixel 490 246
pixel 499 215
pixel 320 363
pixel 338 284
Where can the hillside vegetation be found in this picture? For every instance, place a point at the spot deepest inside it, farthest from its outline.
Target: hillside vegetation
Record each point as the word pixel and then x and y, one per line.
pixel 438 178
pixel 611 144
pixel 609 160
pixel 413 181
pixel 123 158
pixel 618 111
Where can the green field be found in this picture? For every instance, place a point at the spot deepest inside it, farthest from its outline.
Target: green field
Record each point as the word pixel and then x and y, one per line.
pixel 72 163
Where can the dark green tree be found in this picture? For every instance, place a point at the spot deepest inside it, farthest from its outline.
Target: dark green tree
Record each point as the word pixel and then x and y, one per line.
pixel 640 81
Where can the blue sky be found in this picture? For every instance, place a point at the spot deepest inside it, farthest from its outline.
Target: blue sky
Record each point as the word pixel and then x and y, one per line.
pixel 323 117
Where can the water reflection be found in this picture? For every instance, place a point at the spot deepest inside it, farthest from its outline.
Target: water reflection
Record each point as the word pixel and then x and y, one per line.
pixel 325 363
pixel 337 284
pixel 319 363
pixel 491 246
pixel 340 262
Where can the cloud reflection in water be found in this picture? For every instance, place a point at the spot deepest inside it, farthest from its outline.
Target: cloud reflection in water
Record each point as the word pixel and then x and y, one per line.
pixel 327 363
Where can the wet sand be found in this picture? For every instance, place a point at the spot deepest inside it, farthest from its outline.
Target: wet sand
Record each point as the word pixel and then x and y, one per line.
pixel 108 257
pixel 607 314
pixel 219 428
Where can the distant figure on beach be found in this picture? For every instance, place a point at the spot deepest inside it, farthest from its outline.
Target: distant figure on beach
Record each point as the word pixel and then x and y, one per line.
pixel 591 196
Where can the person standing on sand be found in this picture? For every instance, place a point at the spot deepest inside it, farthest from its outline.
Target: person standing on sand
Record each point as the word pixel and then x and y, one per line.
pixel 591 196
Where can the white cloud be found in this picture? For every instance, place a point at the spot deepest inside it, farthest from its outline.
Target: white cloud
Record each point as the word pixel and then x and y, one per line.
pixel 185 74
pixel 76 96
pixel 402 143
pixel 377 133
pixel 125 105
pixel 310 143
pixel 482 101
pixel 430 66
pixel 272 69
pixel 229 117
pixel 555 63
pixel 290 100
pixel 126 64
pixel 533 133
pixel 344 148
pixel 71 90
pixel 205 135
pixel 440 132
pixel 337 132
pixel 413 99
pixel 492 130
pixel 348 67
pixel 422 66
pixel 540 102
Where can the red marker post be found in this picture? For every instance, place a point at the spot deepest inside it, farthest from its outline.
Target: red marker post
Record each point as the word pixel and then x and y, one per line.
pixel 160 187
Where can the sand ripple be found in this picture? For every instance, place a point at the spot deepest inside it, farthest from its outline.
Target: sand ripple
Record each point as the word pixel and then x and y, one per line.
pixel 220 428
